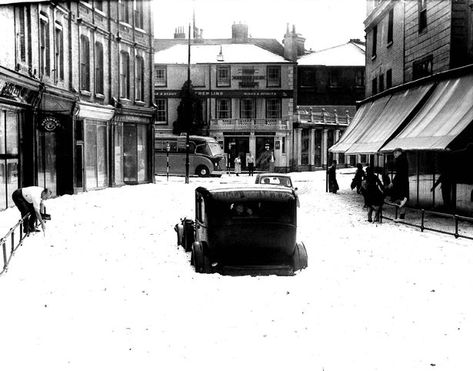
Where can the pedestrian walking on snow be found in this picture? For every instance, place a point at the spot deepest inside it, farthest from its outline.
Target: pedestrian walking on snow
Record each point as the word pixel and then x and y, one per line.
pixel 332 178
pixel 400 184
pixel 237 165
pixel 374 194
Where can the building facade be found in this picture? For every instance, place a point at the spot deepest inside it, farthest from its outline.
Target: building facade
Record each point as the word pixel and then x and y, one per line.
pixel 76 95
pixel 246 91
pixel 329 83
pixel 429 112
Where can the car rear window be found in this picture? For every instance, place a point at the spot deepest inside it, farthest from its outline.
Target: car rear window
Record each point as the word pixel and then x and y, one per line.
pixel 275 180
pixel 265 211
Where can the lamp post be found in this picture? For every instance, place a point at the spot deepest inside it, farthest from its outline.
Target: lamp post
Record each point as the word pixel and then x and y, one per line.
pixel 189 124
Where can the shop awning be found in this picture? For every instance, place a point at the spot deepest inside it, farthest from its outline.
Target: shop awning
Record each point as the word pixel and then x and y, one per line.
pixel 394 114
pixel 360 124
pixel 447 112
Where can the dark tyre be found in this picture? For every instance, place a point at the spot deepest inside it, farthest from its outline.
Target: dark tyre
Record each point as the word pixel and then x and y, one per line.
pixel 300 258
pixel 199 260
pixel 187 234
pixel 202 171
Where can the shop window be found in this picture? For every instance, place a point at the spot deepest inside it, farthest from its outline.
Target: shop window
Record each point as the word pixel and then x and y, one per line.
pixel 305 142
pixel 422 10
pixel 273 75
pixel 224 110
pixel 44 57
pixel 118 152
pixel 142 153
pixel 161 110
pixel 96 149
pixel 161 79
pixel 84 63
pixel 47 160
pixel 140 79
pixel 247 108
pixel 223 76
pixel 59 53
pixel 124 75
pixel 8 156
pixel 135 153
pixel 99 78
pixel 390 27
pixel 273 108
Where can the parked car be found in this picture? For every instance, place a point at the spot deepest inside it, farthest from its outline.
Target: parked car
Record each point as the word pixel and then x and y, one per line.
pixel 277 179
pixel 243 230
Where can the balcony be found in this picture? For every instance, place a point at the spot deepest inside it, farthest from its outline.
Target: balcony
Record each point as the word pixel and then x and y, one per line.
pixel 331 115
pixel 263 124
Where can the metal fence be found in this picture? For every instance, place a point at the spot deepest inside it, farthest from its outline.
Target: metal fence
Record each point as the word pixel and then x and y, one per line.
pixel 430 220
pixel 11 242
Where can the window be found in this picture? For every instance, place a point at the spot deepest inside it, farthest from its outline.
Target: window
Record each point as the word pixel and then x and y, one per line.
pixel 390 27
pixel 273 108
pixel 99 5
pixel 422 7
pixel 9 128
pixel 374 41
pixel 273 75
pixel 59 53
pixel 307 77
pixel 45 63
pixel 247 108
pixel 125 11
pixel 381 82
pixel 224 109
pixel 161 110
pixel 139 14
pixel 99 68
pixel 422 68
pixel 84 63
pixel 140 79
pixel 22 34
pixel 124 75
pixel 374 86
pixel 389 78
pixel 223 76
pixel 360 77
pixel 161 79
pixel 283 145
pixel 334 77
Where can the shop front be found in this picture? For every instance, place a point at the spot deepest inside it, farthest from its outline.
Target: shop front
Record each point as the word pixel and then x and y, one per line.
pixel 132 159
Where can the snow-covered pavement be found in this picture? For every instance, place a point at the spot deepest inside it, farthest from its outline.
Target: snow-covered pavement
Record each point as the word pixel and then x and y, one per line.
pixel 108 289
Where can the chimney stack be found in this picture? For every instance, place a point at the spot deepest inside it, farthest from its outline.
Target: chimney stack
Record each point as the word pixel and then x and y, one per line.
pixel 239 33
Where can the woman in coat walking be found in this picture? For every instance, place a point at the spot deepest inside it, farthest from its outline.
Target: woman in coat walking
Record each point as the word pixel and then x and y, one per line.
pixel 332 178
pixel 237 165
pixel 374 194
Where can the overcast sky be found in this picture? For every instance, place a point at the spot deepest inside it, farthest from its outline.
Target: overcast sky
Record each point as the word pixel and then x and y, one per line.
pixel 324 23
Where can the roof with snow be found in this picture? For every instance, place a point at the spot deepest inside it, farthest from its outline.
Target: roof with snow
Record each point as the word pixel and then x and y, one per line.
pixel 232 53
pixel 349 54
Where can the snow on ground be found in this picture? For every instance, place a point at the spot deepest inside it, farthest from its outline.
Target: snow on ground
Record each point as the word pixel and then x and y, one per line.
pixel 108 289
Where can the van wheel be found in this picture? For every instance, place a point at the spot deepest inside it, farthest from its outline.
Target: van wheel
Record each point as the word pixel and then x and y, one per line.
pixel 199 260
pixel 300 259
pixel 202 171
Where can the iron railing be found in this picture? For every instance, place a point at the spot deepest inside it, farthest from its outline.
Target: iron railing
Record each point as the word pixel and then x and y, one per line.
pixel 11 239
pixel 453 224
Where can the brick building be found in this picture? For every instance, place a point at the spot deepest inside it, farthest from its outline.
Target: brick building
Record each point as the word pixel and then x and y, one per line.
pixel 247 92
pixel 76 95
pixel 429 111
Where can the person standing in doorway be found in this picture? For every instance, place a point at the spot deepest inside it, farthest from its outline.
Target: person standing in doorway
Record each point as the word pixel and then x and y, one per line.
pixel 250 160
pixel 332 178
pixel 30 200
pixel 400 183
pixel 264 159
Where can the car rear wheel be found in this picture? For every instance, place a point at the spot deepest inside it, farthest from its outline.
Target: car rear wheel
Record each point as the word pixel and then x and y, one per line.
pixel 199 260
pixel 300 258
pixel 202 171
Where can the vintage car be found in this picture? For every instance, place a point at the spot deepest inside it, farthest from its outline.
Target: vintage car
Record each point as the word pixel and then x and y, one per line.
pixel 277 179
pixel 247 229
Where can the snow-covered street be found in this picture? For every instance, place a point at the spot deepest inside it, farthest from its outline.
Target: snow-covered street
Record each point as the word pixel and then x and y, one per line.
pixel 108 289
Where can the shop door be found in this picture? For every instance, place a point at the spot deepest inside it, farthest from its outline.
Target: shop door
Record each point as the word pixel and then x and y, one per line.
pixel 130 154
pixel 47 174
pixel 237 146
pixel 260 146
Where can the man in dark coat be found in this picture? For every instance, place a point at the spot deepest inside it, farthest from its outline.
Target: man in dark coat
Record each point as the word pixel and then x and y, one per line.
pixel 332 177
pixel 400 184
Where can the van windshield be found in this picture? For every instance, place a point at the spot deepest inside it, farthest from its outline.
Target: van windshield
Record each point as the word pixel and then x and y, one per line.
pixel 209 149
